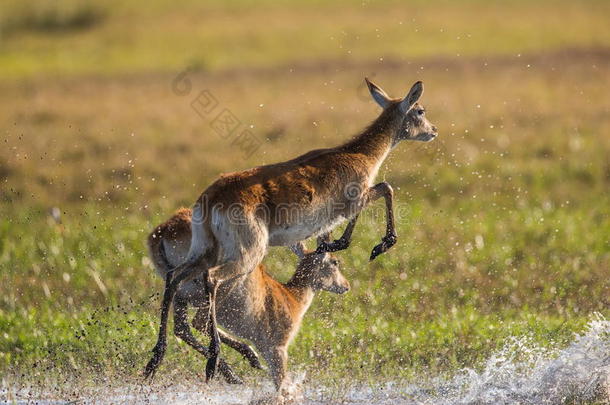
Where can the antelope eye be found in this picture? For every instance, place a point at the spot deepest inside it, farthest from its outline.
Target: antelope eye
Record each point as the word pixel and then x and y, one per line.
pixel 334 262
pixel 421 112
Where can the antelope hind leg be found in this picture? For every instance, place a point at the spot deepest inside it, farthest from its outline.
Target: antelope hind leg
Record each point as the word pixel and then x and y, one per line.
pixel 200 322
pixel 183 331
pixel 183 272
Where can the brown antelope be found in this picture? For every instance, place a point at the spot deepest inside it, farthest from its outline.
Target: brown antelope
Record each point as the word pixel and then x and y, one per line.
pixel 255 307
pixel 239 215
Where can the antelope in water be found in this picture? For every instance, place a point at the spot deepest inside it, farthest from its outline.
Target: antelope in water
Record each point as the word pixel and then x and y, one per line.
pixel 255 307
pixel 241 214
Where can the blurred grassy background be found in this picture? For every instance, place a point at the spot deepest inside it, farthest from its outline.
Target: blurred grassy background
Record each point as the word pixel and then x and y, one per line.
pixel 503 226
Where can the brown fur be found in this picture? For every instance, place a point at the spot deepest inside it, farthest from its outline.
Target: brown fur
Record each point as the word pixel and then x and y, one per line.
pixel 241 214
pixel 255 307
pixel 307 179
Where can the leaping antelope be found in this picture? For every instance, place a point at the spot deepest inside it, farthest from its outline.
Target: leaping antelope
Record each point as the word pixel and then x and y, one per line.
pixel 255 307
pixel 239 215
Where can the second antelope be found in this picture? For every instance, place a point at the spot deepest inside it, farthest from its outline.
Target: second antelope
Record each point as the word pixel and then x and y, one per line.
pixel 241 214
pixel 255 307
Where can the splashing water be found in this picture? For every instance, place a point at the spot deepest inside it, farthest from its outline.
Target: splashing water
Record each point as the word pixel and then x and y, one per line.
pixel 520 373
pixel 517 374
pixel 578 372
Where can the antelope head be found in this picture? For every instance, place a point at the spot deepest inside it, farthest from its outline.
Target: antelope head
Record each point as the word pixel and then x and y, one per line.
pixel 406 115
pixel 321 271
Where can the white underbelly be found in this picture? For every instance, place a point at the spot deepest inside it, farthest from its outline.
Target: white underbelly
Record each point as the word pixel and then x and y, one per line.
pixel 310 225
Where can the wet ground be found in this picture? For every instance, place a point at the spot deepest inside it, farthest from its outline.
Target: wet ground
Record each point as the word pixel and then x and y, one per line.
pixel 518 374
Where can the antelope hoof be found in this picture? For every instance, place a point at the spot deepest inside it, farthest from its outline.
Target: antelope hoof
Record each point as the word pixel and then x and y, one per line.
pixel 153 364
pixel 210 368
pixel 335 246
pixel 386 243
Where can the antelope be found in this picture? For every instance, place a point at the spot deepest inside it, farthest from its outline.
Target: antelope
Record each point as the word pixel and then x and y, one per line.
pixel 255 307
pixel 241 214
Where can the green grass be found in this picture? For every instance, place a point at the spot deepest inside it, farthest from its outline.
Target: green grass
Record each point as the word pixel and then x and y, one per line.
pixel 503 221
pixel 48 17
pixel 432 305
pixel 217 36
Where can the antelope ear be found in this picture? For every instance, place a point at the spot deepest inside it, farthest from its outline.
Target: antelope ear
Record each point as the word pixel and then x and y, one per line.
pixel 414 94
pixel 298 249
pixel 378 94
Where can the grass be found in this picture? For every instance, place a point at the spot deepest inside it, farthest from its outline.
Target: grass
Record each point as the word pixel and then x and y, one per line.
pixel 218 36
pixel 46 16
pixel 504 225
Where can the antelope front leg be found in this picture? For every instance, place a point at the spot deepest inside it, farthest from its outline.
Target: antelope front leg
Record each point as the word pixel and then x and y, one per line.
pixel 276 358
pixel 374 193
pixel 384 190
pixel 343 242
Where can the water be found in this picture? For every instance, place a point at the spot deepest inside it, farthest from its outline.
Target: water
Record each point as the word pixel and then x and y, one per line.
pixel 520 373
